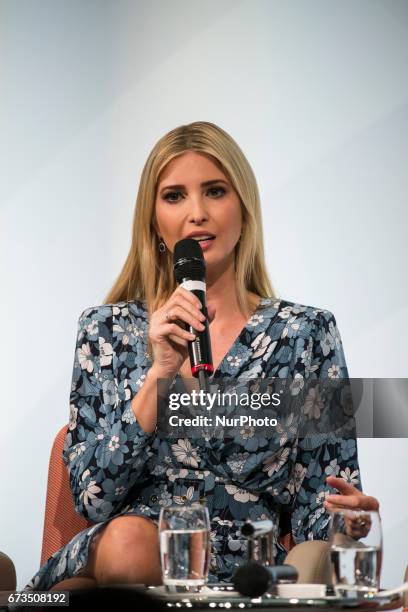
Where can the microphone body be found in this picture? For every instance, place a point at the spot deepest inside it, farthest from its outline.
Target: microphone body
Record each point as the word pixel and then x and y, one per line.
pixel 189 271
pixel 255 579
pixel 255 529
pixel 199 350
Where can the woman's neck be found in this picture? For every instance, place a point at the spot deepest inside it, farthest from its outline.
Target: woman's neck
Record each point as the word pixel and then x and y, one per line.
pixel 221 294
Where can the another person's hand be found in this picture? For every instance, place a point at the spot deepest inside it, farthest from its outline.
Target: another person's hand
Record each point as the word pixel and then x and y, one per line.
pixel 168 337
pixel 349 497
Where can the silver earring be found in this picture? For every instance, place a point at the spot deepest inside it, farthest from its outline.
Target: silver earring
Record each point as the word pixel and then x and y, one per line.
pixel 162 246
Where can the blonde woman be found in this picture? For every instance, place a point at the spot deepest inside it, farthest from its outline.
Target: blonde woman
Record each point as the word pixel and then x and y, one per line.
pixel 197 183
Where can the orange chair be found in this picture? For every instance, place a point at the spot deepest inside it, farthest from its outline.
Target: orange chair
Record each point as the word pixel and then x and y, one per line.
pixel 61 521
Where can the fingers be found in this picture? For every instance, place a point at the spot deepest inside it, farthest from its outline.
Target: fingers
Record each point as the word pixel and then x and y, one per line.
pixel 186 307
pixel 176 333
pixel 188 296
pixel 351 502
pixel 181 313
pixel 341 485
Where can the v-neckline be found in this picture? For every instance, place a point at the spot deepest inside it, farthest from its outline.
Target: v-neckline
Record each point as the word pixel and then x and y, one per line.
pixel 237 339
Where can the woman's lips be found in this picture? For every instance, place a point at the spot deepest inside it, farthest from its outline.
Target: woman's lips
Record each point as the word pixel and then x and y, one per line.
pixel 205 244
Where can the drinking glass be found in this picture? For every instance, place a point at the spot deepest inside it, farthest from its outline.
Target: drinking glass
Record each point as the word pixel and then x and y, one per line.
pixel 356 552
pixel 185 547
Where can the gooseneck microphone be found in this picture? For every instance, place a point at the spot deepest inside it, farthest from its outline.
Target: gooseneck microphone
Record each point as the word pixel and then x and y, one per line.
pixel 189 271
pixel 254 579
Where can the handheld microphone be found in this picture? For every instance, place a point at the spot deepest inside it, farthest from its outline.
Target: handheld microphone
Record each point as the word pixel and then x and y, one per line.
pixel 189 271
pixel 255 529
pixel 255 579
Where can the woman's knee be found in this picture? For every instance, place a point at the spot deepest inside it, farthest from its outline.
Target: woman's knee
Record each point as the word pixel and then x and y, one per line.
pixel 125 531
pixel 127 550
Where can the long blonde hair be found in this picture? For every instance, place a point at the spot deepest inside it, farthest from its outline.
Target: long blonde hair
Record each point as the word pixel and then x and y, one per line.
pixel 147 274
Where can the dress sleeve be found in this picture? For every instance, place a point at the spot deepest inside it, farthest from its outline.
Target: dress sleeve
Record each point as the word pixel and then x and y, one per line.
pixel 105 449
pixel 319 456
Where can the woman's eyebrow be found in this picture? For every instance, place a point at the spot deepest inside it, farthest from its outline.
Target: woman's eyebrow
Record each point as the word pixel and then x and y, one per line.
pixel 205 184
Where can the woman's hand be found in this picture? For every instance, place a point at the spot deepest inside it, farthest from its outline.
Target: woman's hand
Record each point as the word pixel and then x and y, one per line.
pixel 357 524
pixel 168 338
pixel 350 498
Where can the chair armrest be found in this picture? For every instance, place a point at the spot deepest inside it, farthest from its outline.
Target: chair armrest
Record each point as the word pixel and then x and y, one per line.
pixel 8 580
pixel 312 561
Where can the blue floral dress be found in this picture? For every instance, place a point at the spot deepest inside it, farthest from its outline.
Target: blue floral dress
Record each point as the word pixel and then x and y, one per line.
pixel 115 468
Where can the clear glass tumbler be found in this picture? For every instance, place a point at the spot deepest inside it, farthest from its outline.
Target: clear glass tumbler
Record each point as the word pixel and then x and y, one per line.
pixel 356 552
pixel 185 547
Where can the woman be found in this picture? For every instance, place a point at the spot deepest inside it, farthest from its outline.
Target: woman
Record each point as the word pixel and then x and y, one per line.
pixel 196 182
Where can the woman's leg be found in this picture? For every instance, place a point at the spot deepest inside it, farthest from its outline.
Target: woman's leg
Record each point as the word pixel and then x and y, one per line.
pixel 72 584
pixel 125 551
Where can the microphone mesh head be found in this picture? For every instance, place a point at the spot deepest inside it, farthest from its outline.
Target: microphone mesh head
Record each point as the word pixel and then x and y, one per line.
pixel 188 260
pixel 187 248
pixel 251 580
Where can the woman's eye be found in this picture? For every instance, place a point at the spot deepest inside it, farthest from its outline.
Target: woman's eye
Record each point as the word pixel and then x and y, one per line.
pixel 170 194
pixel 219 191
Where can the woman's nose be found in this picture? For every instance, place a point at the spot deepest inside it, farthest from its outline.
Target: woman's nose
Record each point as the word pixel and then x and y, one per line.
pixel 198 211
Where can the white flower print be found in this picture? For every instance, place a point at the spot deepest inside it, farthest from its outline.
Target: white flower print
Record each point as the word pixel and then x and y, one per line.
pixel 172 474
pixel 85 358
pixel 296 482
pixel 165 499
pixel 293 324
pixel 237 461
pixel 334 371
pixel 62 564
pixel 138 331
pixel 106 352
pixel 297 384
pixel 270 350
pixel 247 432
pixel 285 312
pixel 313 403
pixel 260 344
pixel 299 474
pixel 185 453
pixel 77 451
pixel 127 389
pixel 234 360
pixel 335 334
pixel 327 343
pixel 128 416
pixel 75 549
pixel 332 469
pixel 92 328
pixel 321 496
pixel 91 491
pixel 183 499
pixel 306 356
pixel 241 495
pixel 316 515
pixel 275 462
pixel 255 320
pixel 73 412
pixel 349 476
pixel 141 380
pixel 114 443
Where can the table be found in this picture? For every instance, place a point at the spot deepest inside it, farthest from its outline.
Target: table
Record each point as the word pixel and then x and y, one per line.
pixel 225 598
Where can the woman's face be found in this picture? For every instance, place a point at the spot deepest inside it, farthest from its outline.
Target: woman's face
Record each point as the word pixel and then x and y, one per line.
pixel 195 197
